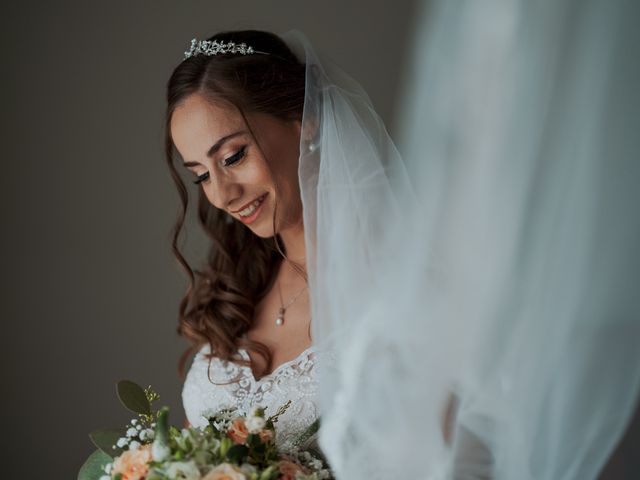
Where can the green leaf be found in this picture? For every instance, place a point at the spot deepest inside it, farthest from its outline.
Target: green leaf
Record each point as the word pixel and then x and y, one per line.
pixel 133 398
pixel 105 440
pixel 309 432
pixel 253 440
pixel 225 445
pixel 255 444
pixel 162 426
pixel 237 453
pixel 93 467
pixel 270 473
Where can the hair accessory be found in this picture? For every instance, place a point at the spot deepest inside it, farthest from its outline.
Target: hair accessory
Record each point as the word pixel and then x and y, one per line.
pixel 207 47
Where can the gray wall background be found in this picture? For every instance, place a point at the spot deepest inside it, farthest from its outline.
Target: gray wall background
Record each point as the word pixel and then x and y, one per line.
pixel 90 288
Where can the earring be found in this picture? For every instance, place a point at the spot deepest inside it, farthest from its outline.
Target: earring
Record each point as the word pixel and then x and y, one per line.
pixel 312 147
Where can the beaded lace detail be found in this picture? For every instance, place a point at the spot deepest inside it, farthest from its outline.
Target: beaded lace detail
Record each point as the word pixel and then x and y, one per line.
pixel 294 380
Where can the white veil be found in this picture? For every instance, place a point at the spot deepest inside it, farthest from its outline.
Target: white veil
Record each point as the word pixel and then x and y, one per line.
pixel 480 300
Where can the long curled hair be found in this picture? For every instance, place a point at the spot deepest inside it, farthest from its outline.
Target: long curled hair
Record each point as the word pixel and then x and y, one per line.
pixel 219 304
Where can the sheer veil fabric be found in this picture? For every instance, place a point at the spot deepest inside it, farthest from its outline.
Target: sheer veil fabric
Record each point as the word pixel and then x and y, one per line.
pixel 479 296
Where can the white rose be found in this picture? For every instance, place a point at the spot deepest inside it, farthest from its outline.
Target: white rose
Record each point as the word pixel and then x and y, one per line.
pixel 255 424
pixel 183 471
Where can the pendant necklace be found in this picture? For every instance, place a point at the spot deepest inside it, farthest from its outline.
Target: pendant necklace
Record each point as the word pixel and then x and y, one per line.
pixel 283 308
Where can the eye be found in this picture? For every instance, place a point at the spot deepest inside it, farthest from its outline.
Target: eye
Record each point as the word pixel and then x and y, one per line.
pixel 201 178
pixel 235 157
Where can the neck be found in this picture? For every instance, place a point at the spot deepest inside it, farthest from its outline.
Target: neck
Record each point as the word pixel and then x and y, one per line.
pixel 293 239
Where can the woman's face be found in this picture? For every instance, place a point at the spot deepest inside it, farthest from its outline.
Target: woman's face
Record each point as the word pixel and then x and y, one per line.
pixel 216 146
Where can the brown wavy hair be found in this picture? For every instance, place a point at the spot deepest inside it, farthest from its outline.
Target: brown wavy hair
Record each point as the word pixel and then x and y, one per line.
pixel 219 304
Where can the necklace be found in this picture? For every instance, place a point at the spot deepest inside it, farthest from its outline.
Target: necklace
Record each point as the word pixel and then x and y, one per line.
pixel 283 308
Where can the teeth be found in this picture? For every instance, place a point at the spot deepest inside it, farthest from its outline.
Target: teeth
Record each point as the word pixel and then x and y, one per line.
pixel 251 208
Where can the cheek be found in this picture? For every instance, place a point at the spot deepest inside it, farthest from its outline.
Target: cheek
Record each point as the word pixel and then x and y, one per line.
pixel 256 174
pixel 290 200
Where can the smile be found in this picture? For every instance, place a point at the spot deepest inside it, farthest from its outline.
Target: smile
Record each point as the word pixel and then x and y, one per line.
pixel 250 213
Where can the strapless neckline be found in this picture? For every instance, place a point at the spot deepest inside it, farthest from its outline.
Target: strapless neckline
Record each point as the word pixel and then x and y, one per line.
pixel 280 368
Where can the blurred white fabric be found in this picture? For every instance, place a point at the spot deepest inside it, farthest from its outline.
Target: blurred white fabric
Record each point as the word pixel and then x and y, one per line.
pixel 481 295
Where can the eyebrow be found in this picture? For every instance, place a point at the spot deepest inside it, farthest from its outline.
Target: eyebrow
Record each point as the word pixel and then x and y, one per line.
pixel 216 146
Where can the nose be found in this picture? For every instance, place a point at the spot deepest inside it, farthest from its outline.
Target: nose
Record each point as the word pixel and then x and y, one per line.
pixel 222 192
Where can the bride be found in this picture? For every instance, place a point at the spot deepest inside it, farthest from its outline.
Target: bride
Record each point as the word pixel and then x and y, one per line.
pixel 466 313
pixel 235 121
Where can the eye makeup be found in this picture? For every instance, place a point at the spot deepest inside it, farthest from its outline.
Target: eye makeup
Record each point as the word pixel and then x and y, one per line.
pixel 236 157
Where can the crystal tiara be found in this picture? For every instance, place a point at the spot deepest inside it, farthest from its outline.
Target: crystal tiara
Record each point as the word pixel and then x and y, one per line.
pixel 207 47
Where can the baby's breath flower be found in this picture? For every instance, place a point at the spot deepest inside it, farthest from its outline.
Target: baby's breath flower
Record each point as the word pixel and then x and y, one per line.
pixel 255 424
pixel 134 445
pixel 132 432
pixel 122 442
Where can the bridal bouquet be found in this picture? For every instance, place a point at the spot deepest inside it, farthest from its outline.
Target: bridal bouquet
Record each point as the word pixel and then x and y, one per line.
pixel 230 447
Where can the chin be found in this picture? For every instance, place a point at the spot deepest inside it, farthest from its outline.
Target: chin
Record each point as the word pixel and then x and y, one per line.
pixel 262 231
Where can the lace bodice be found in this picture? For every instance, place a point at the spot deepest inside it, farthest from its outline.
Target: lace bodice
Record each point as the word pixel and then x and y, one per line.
pixel 294 380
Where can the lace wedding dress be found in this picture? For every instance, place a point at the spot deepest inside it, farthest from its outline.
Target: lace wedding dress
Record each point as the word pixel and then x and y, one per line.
pixel 231 384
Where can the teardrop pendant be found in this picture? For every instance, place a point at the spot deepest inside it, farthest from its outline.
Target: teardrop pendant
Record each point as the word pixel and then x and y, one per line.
pixel 280 317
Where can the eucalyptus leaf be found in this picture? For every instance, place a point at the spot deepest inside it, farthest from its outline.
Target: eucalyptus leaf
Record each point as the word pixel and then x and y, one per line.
pixel 133 398
pixel 105 439
pixel 93 467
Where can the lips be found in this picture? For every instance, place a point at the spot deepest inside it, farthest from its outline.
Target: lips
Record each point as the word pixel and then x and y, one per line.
pixel 251 213
pixel 248 203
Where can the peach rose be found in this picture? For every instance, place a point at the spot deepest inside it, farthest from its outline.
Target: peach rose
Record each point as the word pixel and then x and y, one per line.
pixel 289 469
pixel 224 471
pixel 238 431
pixel 132 464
